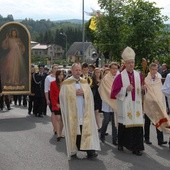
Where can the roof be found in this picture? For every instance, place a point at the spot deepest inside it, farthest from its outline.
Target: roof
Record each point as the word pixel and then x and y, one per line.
pixel 34 42
pixel 78 46
pixel 40 47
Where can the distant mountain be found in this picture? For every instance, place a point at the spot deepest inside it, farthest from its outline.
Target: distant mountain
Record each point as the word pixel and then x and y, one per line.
pixel 75 21
pixel 18 20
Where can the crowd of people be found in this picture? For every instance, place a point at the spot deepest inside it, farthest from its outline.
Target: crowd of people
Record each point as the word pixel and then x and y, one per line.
pixel 124 96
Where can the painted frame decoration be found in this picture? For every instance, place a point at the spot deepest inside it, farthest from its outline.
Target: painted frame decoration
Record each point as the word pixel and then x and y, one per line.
pixel 15 58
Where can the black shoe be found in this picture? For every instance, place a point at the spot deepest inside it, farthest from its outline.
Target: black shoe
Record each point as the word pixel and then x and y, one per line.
pixel 138 153
pixel 29 113
pixel 106 134
pixel 99 130
pixel 120 148
pixel 40 116
pixel 148 142
pixel 59 139
pixel 115 143
pixel 91 156
pixel 102 140
pixel 162 143
pixel 74 156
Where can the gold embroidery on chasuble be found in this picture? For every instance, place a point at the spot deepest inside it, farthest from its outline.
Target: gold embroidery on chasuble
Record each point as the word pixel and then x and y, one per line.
pixel 129 114
pixel 138 114
pixel 72 113
pixel 83 81
pixel 87 127
pixel 68 82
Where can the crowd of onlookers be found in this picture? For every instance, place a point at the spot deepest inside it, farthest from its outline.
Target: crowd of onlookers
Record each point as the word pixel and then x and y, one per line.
pixel 38 80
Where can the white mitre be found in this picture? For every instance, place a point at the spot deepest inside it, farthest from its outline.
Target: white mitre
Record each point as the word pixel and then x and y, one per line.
pixel 128 54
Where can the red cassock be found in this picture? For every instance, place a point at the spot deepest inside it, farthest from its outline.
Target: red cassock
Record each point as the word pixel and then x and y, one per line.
pixel 117 85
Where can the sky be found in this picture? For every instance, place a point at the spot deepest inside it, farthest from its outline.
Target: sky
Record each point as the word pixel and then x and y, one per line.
pixel 58 9
pixel 47 9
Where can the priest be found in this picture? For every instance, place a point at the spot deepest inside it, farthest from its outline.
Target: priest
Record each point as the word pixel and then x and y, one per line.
pixel 126 89
pixel 77 108
pixel 154 103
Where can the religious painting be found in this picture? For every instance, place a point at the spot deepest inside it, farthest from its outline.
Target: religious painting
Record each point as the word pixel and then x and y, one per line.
pixel 15 58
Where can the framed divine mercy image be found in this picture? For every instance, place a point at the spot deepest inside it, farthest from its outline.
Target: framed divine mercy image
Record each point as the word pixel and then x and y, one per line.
pixel 15 58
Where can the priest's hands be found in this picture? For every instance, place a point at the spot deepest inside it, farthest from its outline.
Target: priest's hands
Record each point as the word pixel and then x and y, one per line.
pixel 79 92
pixel 129 88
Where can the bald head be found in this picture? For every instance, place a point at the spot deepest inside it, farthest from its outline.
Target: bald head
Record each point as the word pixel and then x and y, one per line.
pixel 76 70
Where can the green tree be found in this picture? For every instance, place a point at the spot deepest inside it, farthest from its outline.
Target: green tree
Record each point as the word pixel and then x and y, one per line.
pixel 36 59
pixel 147 33
pixel 4 20
pixel 135 23
pixel 111 30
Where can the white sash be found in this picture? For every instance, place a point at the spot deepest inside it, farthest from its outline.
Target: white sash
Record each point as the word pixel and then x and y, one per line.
pixel 130 112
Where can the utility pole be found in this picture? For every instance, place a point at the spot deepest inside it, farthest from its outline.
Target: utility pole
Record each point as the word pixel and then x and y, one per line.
pixel 83 30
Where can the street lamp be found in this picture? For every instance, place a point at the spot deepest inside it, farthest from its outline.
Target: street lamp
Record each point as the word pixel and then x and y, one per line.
pixel 63 34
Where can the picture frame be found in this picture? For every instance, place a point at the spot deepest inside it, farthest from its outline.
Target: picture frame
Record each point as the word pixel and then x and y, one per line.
pixel 15 58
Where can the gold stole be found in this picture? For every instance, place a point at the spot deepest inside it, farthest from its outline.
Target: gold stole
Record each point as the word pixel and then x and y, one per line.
pixel 74 128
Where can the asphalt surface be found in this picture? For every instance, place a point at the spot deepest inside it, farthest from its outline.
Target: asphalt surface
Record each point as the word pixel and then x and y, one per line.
pixel 28 143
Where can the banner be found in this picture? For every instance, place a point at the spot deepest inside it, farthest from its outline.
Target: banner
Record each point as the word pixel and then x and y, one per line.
pixel 15 58
pixel 92 25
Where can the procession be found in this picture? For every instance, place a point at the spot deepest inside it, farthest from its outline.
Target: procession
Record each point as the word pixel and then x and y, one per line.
pixel 87 93
pixel 122 95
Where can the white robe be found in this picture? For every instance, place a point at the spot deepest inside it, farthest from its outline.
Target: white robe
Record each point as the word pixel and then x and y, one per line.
pixel 130 112
pixel 154 103
pixel 166 88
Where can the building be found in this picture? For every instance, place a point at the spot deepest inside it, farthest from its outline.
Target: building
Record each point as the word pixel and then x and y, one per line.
pixel 51 51
pixel 33 43
pixel 75 52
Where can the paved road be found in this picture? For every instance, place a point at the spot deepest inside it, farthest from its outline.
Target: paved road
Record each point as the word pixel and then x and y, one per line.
pixel 28 143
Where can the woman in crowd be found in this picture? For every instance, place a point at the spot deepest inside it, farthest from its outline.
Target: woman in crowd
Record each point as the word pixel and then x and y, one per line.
pixel 48 80
pixel 96 78
pixel 54 97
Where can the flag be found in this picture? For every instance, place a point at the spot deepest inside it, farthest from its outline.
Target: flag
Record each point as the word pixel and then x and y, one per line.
pixel 92 25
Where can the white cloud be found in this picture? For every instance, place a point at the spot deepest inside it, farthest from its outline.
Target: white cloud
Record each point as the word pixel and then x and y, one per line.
pixel 43 9
pixel 57 9
pixel 164 4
